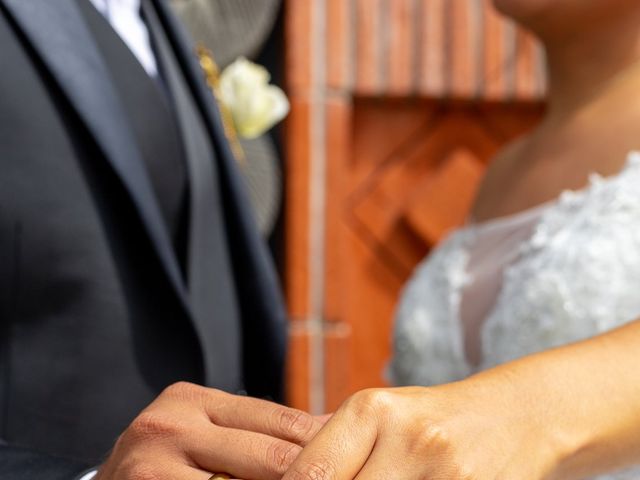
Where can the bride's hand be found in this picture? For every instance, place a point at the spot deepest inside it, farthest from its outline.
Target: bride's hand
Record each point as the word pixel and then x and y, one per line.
pixel 471 430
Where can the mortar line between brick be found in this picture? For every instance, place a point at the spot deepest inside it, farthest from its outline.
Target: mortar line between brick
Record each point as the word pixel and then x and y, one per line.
pixel 317 205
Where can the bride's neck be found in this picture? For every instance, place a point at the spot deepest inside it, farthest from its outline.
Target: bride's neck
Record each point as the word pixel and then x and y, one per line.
pixel 593 70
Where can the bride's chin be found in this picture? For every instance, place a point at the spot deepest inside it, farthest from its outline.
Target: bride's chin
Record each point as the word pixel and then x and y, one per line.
pixel 548 19
pixel 524 10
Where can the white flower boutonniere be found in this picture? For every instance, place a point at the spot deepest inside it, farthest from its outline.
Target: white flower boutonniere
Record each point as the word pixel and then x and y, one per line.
pixel 249 106
pixel 254 105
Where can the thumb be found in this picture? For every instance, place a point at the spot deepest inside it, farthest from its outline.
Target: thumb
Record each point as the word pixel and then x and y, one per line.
pixel 339 451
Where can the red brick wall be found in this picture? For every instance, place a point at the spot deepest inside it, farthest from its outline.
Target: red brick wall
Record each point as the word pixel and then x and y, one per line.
pixel 397 106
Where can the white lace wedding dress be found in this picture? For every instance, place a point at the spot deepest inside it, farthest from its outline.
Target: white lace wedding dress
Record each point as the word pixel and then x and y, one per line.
pixel 558 273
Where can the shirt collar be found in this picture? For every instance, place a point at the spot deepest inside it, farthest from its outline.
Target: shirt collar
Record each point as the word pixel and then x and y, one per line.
pixel 107 6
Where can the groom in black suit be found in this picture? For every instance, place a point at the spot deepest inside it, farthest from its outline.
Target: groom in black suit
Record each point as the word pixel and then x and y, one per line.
pixel 128 262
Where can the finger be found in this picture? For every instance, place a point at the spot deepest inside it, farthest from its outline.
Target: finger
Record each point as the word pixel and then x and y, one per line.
pixel 323 418
pixel 190 473
pixel 339 451
pixel 240 453
pixel 159 471
pixel 387 461
pixel 187 473
pixel 252 414
pixel 242 413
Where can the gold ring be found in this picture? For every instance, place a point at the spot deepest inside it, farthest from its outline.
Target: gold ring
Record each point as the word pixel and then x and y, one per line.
pixel 219 476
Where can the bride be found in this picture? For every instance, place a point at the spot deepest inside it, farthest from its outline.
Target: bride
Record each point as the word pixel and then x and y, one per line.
pixel 551 252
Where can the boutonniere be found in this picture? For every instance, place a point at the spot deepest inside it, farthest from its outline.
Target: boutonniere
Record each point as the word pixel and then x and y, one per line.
pixel 250 105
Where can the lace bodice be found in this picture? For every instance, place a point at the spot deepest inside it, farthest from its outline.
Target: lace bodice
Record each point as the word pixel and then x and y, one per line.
pixel 576 274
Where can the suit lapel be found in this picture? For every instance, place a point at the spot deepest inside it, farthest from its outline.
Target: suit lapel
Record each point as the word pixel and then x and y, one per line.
pixel 58 34
pixel 262 307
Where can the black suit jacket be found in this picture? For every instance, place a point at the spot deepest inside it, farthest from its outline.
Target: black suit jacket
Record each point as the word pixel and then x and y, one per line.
pixel 95 319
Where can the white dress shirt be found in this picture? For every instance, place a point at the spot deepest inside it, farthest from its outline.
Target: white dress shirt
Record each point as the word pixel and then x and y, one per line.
pixel 89 475
pixel 124 17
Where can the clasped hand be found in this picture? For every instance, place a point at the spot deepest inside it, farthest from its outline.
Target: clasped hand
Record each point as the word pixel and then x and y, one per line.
pixel 457 431
pixel 190 432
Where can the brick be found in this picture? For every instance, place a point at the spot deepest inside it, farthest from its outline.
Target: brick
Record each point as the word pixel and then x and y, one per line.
pixel 298 378
pixel 372 291
pixel 432 60
pixel 529 78
pixel 298 159
pixel 340 37
pixel 444 200
pixel 496 59
pixel 465 56
pixel 401 50
pixel 370 31
pixel 338 152
pixel 336 365
pixel 298 36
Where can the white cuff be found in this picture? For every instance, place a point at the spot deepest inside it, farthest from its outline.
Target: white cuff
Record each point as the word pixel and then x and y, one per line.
pixel 89 475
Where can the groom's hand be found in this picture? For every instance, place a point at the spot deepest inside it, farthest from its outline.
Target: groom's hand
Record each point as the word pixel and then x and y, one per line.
pixel 190 432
